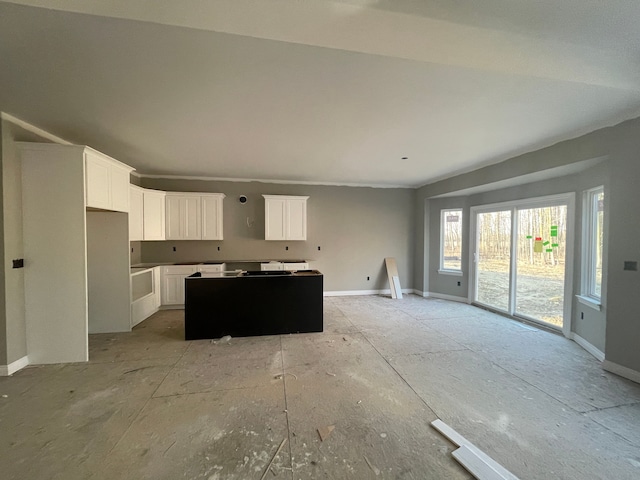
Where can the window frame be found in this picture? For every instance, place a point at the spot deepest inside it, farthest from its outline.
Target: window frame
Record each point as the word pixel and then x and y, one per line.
pixel 588 294
pixel 442 269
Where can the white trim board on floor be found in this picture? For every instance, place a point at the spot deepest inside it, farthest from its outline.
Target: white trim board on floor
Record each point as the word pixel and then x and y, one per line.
pixel 587 346
pixel 13 367
pixel 622 371
pixel 347 293
pixel 443 296
pixel 458 440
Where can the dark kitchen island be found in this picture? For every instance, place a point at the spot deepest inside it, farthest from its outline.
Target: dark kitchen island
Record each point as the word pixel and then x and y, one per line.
pixel 253 303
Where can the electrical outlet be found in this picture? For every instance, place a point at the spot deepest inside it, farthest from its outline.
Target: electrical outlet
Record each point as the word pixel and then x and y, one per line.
pixel 19 263
pixel 218 248
pixel 581 315
pixel 318 247
pixel 286 248
pixel 367 279
pixel 174 249
pixel 458 283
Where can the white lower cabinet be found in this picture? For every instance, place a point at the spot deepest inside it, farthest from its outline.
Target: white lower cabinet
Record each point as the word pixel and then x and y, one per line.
pixel 212 268
pixel 145 294
pixel 274 266
pixel 296 266
pixel 173 283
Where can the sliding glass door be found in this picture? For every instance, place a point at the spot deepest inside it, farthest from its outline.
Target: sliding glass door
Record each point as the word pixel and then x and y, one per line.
pixel 493 259
pixel 520 253
pixel 540 266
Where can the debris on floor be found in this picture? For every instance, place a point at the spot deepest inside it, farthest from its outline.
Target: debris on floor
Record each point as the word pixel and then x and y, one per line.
pixel 281 375
pixel 376 471
pixel 266 470
pixel 331 374
pixel 324 432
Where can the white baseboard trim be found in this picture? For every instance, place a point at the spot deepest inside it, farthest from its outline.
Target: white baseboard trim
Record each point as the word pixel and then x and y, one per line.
pixel 587 346
pixel 347 293
pixel 625 372
pixel 13 367
pixel 443 296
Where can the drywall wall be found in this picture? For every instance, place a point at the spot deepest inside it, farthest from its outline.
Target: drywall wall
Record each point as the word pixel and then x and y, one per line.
pixel 355 228
pixel 108 271
pixel 623 326
pixel 55 250
pixel 135 252
pixel 619 146
pixel 13 336
pixel 3 303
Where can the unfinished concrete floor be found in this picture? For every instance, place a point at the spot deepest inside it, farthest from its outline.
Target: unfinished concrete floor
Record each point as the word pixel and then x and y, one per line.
pixel 151 406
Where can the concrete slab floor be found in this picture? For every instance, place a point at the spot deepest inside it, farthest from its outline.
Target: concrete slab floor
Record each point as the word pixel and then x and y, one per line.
pixel 149 405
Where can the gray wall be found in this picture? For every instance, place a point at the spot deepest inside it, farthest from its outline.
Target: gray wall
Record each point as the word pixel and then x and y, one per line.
pixel 616 328
pixel 108 271
pixel 3 303
pixel 355 227
pixel 13 337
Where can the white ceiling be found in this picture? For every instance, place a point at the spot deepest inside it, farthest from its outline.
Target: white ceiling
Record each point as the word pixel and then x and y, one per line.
pixel 318 91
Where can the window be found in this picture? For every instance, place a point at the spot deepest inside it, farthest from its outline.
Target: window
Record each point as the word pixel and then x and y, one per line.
pixel 451 241
pixel 593 241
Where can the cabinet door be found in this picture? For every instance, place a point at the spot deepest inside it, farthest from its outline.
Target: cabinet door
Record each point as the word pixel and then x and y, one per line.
pixel 212 217
pixel 173 218
pixel 274 221
pixel 173 291
pixel 97 182
pixel 154 216
pixel 119 186
pixel 296 219
pixel 192 224
pixel 136 231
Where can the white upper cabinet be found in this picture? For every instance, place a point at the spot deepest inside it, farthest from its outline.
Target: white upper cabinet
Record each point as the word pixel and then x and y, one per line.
pixel 154 215
pixel 146 214
pixel 136 212
pixel 285 217
pixel 194 216
pixel 107 182
pixel 212 216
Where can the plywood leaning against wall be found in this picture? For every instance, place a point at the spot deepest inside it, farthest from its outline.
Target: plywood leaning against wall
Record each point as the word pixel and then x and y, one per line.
pixel 394 278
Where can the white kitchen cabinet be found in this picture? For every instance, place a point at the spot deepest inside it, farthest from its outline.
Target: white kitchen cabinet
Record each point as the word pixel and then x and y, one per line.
pixel 154 215
pixel 145 293
pixel 296 266
pixel 194 216
pixel 275 266
pixel 272 266
pixel 146 214
pixel 106 181
pixel 173 283
pixel 212 216
pixel 211 268
pixel 136 212
pixel 285 217
pixel 183 212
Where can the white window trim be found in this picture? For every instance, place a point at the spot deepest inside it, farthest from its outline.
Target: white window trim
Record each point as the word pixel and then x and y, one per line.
pixel 442 270
pixel 589 227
